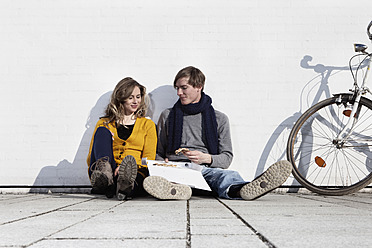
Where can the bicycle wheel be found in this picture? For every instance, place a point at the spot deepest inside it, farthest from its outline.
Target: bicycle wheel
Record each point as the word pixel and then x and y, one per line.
pixel 319 162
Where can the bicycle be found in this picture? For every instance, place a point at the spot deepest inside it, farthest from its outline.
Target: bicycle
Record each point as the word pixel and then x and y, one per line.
pixel 329 145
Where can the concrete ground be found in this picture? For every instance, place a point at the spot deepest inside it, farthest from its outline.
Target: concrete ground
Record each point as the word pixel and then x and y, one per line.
pixel 275 220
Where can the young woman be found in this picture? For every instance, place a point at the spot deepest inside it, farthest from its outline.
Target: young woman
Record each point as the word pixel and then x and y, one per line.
pixel 120 140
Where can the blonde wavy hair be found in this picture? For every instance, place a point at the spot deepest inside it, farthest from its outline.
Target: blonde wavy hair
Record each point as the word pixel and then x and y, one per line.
pixel 123 90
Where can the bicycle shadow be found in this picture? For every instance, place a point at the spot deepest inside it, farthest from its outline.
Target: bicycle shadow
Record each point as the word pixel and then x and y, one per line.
pixel 72 176
pixel 275 148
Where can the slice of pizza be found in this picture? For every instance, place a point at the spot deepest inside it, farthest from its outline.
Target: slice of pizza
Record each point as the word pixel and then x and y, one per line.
pixel 181 150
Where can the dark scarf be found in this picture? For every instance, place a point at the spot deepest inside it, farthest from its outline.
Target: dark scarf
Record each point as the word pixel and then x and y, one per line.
pixel 209 123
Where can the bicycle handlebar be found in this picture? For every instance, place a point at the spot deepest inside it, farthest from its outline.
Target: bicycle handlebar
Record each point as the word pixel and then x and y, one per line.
pixel 368 32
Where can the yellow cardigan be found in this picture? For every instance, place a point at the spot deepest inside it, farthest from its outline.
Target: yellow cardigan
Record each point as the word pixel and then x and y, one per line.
pixel 140 144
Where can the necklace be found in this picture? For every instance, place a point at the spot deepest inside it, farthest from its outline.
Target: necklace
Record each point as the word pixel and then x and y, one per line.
pixel 128 120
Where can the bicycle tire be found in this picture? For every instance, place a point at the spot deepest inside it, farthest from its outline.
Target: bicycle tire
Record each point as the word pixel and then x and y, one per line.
pixel 318 163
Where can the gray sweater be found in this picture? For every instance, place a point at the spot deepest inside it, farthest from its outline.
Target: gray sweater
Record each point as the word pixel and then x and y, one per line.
pixel 193 138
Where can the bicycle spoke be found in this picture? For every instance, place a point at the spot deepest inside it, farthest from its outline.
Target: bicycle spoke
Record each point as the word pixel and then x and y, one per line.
pixel 355 159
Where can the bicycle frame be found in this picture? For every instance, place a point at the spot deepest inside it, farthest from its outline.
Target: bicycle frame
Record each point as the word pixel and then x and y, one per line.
pixel 345 133
pixel 349 127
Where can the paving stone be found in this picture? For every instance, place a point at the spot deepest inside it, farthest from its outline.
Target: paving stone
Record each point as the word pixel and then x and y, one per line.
pixel 277 219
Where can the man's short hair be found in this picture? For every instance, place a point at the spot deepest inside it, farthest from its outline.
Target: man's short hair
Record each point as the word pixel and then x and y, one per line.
pixel 196 77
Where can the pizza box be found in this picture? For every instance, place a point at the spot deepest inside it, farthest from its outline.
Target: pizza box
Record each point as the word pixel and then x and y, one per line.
pixel 179 172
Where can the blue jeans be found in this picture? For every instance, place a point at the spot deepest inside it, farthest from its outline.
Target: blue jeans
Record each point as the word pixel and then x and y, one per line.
pixel 220 180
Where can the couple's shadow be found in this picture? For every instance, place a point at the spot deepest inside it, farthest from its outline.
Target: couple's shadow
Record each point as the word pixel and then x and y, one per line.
pixel 72 176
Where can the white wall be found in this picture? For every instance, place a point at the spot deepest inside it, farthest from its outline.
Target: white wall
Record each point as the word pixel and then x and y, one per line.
pixel 60 59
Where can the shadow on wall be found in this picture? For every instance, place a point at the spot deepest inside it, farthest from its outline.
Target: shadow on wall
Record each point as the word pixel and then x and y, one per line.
pixel 314 91
pixel 73 177
pixel 161 98
pixel 75 174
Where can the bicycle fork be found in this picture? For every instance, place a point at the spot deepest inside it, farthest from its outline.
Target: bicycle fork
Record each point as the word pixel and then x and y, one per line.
pixel 345 133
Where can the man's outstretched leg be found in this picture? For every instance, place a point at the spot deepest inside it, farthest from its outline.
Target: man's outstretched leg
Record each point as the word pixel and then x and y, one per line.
pixel 271 179
pixel 162 189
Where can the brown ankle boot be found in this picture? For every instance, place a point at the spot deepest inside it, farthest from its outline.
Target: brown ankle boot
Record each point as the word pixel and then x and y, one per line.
pixel 102 177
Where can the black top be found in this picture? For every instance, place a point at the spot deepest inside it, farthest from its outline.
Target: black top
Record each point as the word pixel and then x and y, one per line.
pixel 125 131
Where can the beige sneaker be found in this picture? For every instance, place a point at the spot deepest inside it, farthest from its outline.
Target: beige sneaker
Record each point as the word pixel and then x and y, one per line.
pixel 271 179
pixel 162 189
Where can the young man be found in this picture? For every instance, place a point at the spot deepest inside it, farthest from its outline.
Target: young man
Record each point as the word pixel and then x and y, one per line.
pixel 194 124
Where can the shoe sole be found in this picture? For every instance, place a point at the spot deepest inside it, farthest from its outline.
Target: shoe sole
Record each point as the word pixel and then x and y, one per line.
pixel 271 179
pixel 162 189
pixel 127 176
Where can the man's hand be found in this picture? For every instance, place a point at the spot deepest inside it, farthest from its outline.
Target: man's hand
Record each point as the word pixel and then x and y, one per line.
pixel 198 157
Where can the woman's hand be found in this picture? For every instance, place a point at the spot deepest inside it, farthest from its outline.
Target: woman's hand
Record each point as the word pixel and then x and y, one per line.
pixel 116 172
pixel 198 157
